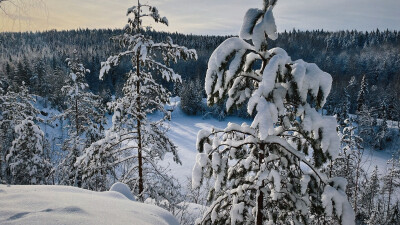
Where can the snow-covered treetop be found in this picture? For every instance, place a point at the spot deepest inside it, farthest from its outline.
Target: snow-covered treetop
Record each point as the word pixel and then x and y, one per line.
pixel 138 12
pixel 144 50
pixel 77 80
pixel 259 24
pixel 272 89
pixel 17 106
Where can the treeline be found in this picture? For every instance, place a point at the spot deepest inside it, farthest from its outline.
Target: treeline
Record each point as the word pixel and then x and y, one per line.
pixel 38 59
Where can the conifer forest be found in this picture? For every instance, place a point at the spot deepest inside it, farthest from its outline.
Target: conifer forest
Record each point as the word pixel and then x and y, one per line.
pixel 139 125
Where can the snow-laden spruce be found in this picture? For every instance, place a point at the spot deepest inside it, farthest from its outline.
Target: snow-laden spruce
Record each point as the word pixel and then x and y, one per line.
pixel 348 164
pixel 26 159
pixel 134 144
pixel 86 117
pixel 15 106
pixel 270 171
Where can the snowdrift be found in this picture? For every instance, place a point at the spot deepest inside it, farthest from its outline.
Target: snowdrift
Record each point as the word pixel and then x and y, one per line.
pixel 54 205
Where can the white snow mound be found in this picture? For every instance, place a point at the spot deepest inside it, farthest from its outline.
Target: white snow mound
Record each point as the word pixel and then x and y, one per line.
pixel 53 205
pixel 123 189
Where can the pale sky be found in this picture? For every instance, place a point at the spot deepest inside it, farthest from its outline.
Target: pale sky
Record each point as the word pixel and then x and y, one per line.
pixel 202 16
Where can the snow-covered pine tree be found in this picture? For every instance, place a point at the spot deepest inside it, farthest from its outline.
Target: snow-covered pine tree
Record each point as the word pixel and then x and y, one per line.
pixel 391 182
pixel 377 216
pixel 382 135
pixel 39 84
pixel 191 97
pixel 14 108
pixel 135 142
pixel 343 110
pixel 366 123
pixel 86 117
pixel 348 163
pixel 26 158
pixel 260 169
pixel 394 216
pixel 361 98
pixel 370 193
pixel 3 85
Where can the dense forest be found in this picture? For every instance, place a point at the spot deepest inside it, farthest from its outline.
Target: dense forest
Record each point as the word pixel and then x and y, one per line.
pixel 38 59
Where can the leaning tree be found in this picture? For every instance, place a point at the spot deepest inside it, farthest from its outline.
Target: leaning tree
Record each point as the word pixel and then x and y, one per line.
pixel 135 142
pixel 271 171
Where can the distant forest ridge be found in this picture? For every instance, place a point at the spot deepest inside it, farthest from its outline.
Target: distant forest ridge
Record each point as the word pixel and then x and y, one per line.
pixel 38 59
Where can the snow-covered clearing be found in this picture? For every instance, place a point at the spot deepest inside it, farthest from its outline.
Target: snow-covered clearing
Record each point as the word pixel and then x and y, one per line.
pixel 69 205
pixel 183 131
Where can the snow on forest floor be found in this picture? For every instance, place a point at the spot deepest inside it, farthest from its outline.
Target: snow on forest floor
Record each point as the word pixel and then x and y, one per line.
pixel 69 205
pixel 183 131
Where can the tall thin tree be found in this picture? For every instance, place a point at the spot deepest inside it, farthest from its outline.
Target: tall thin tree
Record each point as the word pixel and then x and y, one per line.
pixel 135 140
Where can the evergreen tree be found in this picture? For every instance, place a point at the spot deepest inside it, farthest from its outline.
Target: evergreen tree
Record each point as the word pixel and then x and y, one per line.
pixel 134 142
pixel 23 73
pixel 366 124
pixel 342 113
pixel 14 108
pixel 344 109
pixel 57 79
pixel 3 86
pixel 38 80
pixel 382 135
pixel 191 97
pixel 348 163
pixel 370 193
pixel 259 175
pixel 377 216
pixel 394 216
pixel 26 158
pixel 391 182
pixel 361 99
pixel 85 116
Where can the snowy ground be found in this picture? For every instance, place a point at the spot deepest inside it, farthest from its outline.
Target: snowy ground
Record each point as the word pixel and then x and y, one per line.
pixel 183 131
pixel 55 205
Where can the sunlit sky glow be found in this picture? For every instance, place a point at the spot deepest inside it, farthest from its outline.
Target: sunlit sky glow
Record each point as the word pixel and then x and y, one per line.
pixel 203 16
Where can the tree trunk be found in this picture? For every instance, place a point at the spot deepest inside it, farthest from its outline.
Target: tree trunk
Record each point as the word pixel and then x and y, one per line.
pixel 356 190
pixel 260 199
pixel 76 117
pixel 390 190
pixel 139 124
pixel 78 182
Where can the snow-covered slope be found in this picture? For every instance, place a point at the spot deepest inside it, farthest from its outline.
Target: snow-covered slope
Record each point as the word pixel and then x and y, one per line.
pixel 55 205
pixel 183 131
